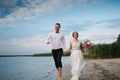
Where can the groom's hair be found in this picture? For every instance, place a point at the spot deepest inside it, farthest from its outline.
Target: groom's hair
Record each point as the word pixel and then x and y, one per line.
pixel 58 24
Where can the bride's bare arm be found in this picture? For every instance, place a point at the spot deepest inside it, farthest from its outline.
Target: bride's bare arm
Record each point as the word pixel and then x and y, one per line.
pixel 68 50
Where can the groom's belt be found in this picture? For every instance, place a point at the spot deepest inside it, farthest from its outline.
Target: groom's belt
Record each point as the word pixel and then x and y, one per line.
pixel 57 49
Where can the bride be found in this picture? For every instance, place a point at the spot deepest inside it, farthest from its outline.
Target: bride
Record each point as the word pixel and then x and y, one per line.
pixel 76 57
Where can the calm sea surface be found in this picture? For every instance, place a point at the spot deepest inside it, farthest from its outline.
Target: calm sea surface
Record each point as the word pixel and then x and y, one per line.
pixel 29 68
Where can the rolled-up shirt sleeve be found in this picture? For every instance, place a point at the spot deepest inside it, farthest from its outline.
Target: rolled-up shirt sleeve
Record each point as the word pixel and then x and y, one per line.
pixel 49 37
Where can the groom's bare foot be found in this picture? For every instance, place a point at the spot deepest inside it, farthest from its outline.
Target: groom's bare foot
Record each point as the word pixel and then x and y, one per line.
pixel 59 78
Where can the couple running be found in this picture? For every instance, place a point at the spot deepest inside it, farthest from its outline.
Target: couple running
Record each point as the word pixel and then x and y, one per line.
pixel 57 40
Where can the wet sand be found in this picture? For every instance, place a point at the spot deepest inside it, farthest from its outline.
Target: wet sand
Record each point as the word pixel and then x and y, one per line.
pixel 100 69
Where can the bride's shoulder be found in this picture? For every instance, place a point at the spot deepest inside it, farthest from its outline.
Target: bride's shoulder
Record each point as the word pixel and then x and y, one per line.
pixel 71 41
pixel 79 41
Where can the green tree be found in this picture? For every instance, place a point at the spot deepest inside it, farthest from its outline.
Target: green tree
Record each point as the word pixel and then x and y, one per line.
pixel 118 39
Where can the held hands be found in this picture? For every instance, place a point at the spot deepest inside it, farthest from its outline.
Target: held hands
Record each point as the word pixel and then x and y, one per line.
pixel 65 52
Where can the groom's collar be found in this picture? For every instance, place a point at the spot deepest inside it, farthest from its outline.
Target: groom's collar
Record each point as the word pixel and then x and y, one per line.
pixel 57 32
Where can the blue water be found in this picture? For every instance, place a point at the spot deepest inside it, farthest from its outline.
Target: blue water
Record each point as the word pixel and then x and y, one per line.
pixel 29 68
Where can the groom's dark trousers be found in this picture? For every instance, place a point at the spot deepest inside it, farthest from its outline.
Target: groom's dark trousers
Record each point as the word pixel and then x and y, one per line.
pixel 57 55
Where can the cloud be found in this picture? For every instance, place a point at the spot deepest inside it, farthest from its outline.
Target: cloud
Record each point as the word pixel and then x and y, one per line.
pixel 30 45
pixel 36 44
pixel 105 31
pixel 109 24
pixel 97 32
pixel 15 10
pixel 100 38
pixel 27 45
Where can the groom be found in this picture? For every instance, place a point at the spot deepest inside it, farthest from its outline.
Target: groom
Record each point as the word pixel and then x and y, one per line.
pixel 57 40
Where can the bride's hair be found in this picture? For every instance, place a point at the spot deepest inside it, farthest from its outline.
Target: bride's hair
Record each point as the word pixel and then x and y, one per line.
pixel 74 32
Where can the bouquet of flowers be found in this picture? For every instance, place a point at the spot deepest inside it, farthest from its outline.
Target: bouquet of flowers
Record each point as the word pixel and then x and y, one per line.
pixel 87 46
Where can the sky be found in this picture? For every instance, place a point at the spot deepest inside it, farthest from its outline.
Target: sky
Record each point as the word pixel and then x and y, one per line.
pixel 24 24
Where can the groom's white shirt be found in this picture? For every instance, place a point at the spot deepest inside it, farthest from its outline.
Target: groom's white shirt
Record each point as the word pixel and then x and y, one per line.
pixel 57 40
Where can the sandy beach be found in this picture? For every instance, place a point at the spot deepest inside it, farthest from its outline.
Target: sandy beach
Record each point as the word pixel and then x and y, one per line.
pixel 100 69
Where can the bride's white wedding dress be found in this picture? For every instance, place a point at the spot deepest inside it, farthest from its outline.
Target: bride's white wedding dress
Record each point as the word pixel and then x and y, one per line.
pixel 77 60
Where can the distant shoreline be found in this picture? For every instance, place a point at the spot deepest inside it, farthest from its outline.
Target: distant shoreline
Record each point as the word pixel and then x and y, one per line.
pixel 34 55
pixel 16 55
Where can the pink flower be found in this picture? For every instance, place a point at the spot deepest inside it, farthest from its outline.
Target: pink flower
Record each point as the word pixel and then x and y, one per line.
pixel 87 45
